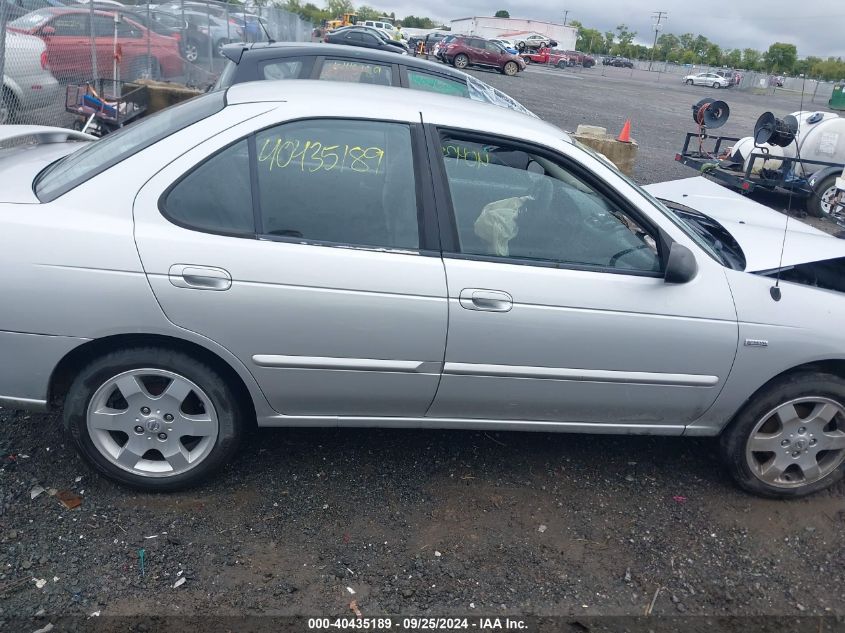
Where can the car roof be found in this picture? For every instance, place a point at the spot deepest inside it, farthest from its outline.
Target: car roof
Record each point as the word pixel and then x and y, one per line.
pixel 272 50
pixel 466 113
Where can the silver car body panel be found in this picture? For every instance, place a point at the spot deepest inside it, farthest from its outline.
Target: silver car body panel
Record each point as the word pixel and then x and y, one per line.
pixel 20 165
pixel 352 336
pixel 758 229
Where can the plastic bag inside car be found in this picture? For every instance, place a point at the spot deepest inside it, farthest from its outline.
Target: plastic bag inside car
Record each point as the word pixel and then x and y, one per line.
pixel 497 223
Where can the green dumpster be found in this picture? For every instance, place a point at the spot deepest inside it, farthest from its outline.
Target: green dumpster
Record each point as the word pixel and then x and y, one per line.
pixel 837 99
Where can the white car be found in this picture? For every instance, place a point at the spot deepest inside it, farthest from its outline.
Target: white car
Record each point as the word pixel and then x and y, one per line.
pixel 533 40
pixel 27 82
pixel 707 79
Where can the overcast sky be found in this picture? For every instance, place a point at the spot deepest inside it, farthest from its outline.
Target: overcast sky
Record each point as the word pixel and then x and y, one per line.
pixel 816 27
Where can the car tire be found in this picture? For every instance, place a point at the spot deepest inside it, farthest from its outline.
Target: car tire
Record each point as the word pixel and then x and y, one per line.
pixel 146 449
pixel 191 51
pixel 820 203
pixel 716 85
pixel 689 82
pixel 561 64
pixel 510 69
pixel 520 46
pixel 527 60
pixel 8 107
pixel 460 61
pixel 795 443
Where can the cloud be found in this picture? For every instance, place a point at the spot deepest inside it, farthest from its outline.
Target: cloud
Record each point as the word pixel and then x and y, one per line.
pixel 814 26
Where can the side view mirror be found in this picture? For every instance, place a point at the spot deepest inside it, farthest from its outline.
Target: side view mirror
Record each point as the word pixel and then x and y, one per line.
pixel 681 266
pixel 47 31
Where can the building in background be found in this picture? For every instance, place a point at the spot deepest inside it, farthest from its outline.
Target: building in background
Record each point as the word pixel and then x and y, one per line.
pixel 512 28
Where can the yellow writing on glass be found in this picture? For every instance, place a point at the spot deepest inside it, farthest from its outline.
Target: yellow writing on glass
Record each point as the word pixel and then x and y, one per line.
pixel 313 156
pixel 467 156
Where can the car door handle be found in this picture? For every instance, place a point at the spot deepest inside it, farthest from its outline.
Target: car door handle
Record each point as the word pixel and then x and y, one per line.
pixel 199 277
pixel 486 300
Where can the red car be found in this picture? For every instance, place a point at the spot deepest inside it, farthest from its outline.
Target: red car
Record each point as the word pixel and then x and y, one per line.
pixel 547 56
pixel 476 51
pixel 66 33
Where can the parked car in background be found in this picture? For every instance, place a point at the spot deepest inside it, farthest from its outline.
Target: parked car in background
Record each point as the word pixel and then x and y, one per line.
pixel 533 40
pixel 577 58
pixel 707 79
pixel 618 62
pixel 467 51
pixel 288 60
pixel 439 50
pixel 66 33
pixel 27 83
pixel 214 33
pixel 363 37
pixel 776 81
pixel 508 45
pixel 17 8
pixel 551 57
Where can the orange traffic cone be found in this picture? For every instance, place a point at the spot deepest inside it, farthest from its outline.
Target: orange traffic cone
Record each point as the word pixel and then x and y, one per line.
pixel 625 134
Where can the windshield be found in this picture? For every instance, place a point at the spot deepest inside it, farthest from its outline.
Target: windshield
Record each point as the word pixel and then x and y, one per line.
pixel 74 169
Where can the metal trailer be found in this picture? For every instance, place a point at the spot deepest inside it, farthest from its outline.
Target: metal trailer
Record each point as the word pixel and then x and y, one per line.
pixel 810 189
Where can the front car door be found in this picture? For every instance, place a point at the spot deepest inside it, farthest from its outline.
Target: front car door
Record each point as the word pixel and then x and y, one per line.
pixel 558 311
pixel 301 247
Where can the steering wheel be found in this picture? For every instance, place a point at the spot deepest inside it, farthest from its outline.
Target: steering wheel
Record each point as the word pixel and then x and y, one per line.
pixel 616 257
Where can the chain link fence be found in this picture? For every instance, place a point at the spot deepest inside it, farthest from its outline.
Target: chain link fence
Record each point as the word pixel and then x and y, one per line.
pixel 49 47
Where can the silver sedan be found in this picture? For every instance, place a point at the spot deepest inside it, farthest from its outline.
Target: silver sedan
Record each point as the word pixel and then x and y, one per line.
pixel 291 255
pixel 707 79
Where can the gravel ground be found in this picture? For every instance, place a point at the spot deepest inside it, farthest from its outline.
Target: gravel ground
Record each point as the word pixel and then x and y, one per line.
pixel 431 522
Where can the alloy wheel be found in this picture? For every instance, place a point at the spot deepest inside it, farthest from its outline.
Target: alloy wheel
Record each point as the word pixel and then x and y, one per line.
pixel 827 199
pixel 192 53
pixel 152 422
pixel 797 443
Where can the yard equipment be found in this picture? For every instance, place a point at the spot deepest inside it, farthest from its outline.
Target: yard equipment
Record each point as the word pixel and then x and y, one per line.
pixel 104 105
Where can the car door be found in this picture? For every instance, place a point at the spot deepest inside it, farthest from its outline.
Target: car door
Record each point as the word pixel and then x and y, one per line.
pixel 558 310
pixel 303 250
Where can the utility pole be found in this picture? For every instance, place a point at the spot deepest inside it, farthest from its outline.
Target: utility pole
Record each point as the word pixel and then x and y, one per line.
pixel 657 17
pixel 565 13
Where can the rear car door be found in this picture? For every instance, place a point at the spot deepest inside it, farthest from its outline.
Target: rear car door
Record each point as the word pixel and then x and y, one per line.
pixel 303 249
pixel 558 310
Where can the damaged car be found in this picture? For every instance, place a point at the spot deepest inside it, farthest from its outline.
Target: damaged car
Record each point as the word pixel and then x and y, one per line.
pixel 464 266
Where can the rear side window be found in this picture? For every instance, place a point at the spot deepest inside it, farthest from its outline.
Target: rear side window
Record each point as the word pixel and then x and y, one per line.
pixel 438 84
pixel 216 196
pixel 97 156
pixel 338 181
pixel 282 69
pixel 357 72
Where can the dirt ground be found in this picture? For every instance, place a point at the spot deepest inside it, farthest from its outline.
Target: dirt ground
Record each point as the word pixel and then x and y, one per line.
pixel 303 522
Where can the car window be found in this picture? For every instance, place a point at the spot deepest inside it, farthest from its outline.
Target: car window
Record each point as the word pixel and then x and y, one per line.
pixel 282 69
pixel 97 156
pixel 356 72
pixel 216 196
pixel 433 83
pixel 368 38
pixel 345 182
pixel 510 203
pixel 71 24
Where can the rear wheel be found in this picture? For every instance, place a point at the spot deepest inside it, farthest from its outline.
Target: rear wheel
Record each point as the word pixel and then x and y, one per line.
pixel 461 61
pixel 521 46
pixel 716 85
pixel 561 64
pixel 152 418
pixel 822 201
pixel 192 51
pixel 789 440
pixel 510 69
pixel 689 82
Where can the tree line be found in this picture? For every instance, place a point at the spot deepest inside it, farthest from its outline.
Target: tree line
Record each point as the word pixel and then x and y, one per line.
pixel 780 58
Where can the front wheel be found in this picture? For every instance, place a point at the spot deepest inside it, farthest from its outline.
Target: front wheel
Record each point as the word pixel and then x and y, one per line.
pixel 789 440
pixel 561 64
pixel 689 82
pixel 510 69
pixel 153 418
pixel 461 61
pixel 822 201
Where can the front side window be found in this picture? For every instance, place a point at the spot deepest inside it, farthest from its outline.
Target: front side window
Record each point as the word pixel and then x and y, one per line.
pixel 216 196
pixel 516 204
pixel 438 84
pixel 71 25
pixel 338 181
pixel 359 72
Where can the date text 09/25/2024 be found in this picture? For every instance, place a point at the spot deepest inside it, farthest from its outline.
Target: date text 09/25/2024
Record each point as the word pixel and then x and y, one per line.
pixel 418 624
